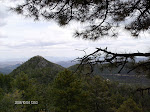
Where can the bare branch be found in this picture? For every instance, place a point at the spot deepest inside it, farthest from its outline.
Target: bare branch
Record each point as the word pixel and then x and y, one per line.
pixel 116 59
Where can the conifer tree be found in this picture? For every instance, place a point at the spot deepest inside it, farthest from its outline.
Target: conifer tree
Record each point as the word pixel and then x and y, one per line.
pixel 129 106
pixel 68 94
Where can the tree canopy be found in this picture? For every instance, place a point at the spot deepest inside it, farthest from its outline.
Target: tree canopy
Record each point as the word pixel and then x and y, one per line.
pixel 102 16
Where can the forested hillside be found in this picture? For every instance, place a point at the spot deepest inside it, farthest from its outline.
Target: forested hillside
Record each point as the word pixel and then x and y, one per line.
pixel 111 73
pixel 56 89
pixel 39 68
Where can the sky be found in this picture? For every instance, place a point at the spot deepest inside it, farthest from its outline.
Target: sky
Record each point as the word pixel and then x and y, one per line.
pixel 22 37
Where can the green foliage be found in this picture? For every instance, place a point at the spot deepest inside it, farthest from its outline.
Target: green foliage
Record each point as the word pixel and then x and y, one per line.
pixel 68 93
pixel 105 16
pixel 129 106
pixel 29 90
pixel 38 68
pixel 111 72
pixel 5 82
pixel 99 99
pixel 143 100
pixel 22 81
pixel 1 93
pixel 6 104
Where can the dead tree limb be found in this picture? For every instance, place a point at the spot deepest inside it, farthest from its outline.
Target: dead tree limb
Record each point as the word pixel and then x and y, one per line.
pixel 103 56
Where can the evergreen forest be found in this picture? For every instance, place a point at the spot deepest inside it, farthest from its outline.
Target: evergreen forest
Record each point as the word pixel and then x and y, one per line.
pixel 58 89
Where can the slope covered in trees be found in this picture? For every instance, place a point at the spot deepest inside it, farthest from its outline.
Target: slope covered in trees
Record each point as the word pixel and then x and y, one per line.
pixel 70 92
pixel 39 68
pixel 111 72
pixel 66 91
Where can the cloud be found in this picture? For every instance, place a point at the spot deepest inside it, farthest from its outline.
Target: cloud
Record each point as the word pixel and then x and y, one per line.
pixel 30 43
pixel 2 22
pixel 28 38
pixel 3 15
pixel 2 35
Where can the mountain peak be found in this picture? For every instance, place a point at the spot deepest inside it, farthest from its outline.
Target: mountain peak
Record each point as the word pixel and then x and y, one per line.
pixel 37 64
pixel 38 56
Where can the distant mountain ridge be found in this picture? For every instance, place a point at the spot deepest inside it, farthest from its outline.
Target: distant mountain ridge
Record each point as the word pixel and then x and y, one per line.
pixel 66 64
pixel 8 69
pixel 112 74
pixel 8 66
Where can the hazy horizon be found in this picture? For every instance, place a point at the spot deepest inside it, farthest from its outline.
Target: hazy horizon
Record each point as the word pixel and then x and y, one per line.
pixel 50 58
